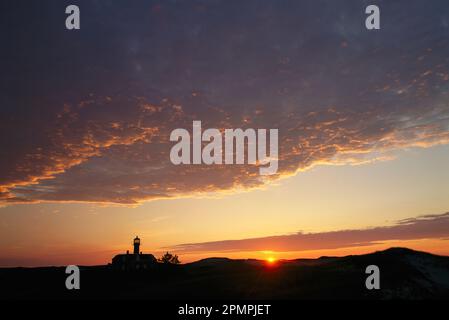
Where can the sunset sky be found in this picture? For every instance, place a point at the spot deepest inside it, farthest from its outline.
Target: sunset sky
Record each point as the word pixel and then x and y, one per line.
pixel 86 116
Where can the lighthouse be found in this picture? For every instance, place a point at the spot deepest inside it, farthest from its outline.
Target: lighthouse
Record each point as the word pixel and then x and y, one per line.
pixel 136 245
pixel 134 262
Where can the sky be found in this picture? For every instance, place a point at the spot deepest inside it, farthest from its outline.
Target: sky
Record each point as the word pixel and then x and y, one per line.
pixel 86 116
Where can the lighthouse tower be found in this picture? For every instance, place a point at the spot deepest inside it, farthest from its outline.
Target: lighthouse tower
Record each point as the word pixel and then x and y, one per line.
pixel 136 245
pixel 135 261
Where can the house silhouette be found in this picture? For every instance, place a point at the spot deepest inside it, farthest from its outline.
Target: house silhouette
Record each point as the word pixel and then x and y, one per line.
pixel 135 261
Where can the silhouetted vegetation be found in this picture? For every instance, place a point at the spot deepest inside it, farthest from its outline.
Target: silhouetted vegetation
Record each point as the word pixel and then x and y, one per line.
pixel 169 258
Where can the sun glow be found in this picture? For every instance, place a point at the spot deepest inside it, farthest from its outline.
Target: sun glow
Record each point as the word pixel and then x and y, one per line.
pixel 271 260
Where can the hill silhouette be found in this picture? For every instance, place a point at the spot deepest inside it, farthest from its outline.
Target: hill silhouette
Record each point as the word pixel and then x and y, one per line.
pixel 405 274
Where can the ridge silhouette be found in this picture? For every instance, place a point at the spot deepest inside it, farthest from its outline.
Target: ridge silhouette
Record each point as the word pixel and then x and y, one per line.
pixel 405 274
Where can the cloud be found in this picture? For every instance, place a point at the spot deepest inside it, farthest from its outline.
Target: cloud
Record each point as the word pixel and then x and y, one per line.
pixel 425 227
pixel 96 127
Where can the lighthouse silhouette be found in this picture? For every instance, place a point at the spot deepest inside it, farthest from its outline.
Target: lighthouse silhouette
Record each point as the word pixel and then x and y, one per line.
pixel 136 245
pixel 135 261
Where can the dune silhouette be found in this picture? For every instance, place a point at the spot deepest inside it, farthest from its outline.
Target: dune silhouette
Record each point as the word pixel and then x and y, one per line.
pixel 405 274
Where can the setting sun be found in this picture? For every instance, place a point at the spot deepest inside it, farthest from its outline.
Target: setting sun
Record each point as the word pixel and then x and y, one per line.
pixel 271 260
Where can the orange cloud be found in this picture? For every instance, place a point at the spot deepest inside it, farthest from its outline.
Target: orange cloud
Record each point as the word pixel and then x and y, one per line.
pixel 425 227
pixel 96 153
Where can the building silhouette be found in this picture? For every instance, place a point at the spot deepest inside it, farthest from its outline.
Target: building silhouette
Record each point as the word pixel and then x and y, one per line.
pixel 135 261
